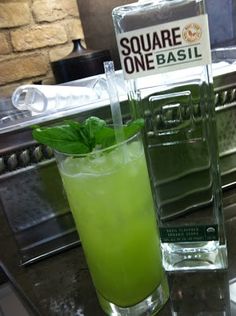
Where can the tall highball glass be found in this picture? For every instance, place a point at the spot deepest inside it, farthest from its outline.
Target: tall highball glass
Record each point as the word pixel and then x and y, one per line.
pixel 110 197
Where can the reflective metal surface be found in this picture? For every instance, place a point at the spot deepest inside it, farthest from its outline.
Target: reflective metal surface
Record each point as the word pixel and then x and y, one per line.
pixel 31 192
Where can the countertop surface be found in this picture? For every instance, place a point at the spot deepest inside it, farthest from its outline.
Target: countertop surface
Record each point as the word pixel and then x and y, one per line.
pixel 61 284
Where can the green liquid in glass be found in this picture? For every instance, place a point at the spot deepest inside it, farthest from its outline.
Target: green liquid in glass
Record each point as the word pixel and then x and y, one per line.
pixel 112 206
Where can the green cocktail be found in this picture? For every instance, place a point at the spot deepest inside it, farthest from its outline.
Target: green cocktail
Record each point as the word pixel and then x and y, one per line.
pixel 111 201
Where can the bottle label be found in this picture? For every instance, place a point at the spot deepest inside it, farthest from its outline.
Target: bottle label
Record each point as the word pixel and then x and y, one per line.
pixel 189 233
pixel 166 47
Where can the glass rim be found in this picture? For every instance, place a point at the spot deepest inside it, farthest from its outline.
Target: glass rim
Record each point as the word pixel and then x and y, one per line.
pixel 99 151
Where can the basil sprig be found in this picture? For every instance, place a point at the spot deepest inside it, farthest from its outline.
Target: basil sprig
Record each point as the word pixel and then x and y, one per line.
pixel 73 137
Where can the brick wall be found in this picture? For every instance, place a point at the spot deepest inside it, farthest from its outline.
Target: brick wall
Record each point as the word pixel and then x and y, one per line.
pixel 32 34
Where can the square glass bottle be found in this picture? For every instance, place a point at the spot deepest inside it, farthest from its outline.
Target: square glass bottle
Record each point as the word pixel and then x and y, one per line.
pixel 165 54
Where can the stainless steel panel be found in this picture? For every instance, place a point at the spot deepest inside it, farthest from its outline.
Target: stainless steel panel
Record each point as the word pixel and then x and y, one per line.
pixel 31 192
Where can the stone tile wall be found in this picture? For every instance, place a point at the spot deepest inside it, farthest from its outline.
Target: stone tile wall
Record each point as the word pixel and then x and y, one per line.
pixel 32 34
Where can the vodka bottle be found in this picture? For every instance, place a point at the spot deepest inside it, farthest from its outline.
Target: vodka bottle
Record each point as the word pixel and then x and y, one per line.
pixel 164 49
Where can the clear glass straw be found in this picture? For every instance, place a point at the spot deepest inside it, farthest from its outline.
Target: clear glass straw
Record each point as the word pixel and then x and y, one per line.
pixel 115 105
pixel 114 100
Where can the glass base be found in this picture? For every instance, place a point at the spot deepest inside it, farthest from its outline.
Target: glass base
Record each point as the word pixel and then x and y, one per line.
pixel 194 256
pixel 149 306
